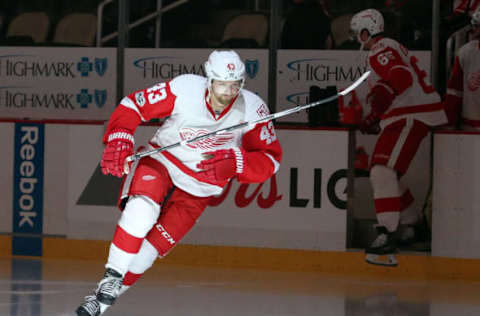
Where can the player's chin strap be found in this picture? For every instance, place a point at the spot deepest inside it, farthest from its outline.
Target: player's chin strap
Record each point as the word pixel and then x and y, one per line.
pixel 267 118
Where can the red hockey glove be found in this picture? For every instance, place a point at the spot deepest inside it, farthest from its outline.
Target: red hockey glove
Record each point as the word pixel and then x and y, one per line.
pixel 119 147
pixel 221 165
pixel 370 125
pixel 352 113
pixel 381 97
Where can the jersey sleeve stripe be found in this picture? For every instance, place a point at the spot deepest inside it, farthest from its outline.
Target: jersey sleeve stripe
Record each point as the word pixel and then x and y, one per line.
pixel 127 102
pixel 386 86
pixel 400 66
pixel 276 164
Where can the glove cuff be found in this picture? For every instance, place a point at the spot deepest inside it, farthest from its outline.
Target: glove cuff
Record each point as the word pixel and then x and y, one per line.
pixel 121 134
pixel 372 118
pixel 238 160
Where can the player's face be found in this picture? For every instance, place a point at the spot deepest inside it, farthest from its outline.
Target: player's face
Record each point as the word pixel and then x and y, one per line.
pixel 225 91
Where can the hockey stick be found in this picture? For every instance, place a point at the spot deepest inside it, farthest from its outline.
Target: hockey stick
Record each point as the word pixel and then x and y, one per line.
pixel 267 118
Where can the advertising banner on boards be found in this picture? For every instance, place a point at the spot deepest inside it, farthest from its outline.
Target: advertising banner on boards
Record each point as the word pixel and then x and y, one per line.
pixel 298 70
pixel 28 190
pixel 57 82
pixel 146 67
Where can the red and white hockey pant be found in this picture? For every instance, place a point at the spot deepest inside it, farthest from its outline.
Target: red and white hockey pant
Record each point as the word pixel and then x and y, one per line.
pixel 144 231
pixel 396 146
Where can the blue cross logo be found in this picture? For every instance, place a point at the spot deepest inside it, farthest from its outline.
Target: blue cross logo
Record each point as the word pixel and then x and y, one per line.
pixel 84 66
pixel 84 98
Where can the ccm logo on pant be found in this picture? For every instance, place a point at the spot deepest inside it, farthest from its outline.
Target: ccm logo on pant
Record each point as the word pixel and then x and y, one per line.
pixel 165 234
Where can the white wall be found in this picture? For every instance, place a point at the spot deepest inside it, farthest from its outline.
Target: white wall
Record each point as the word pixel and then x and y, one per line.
pixel 456 198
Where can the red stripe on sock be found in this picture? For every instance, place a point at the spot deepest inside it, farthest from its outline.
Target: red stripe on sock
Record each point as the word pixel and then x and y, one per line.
pixel 125 241
pixel 394 204
pixel 131 278
pixel 388 205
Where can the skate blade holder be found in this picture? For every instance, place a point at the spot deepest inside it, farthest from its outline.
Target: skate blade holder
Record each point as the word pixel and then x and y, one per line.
pixel 103 307
pixel 388 260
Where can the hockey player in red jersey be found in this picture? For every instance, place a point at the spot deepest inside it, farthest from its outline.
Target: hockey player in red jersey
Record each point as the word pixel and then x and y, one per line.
pixel 403 107
pixel 462 100
pixel 165 193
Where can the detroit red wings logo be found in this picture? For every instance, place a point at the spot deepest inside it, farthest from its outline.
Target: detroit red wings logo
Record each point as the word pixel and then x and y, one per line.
pixel 231 67
pixel 208 143
pixel 262 110
pixel 473 81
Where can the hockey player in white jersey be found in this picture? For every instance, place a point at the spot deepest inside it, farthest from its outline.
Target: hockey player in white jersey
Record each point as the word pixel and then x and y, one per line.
pixel 462 100
pixel 403 107
pixel 164 194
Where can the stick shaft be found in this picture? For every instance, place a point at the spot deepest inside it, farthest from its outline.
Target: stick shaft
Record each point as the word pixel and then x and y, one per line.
pixel 245 124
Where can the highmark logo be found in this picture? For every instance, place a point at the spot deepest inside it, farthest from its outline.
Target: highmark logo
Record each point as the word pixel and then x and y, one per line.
pixel 33 66
pixel 24 97
pixel 298 98
pixel 324 69
pixel 166 67
pixel 84 98
pixel 85 66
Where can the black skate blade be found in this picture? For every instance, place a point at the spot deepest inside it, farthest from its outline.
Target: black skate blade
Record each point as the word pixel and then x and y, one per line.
pixel 388 260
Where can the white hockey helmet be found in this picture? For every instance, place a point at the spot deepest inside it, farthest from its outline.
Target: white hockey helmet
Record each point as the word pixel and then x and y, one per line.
pixel 225 66
pixel 370 20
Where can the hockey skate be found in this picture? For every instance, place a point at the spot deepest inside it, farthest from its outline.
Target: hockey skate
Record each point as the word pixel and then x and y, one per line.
pixel 90 307
pixel 406 235
pixel 414 237
pixel 383 249
pixel 108 288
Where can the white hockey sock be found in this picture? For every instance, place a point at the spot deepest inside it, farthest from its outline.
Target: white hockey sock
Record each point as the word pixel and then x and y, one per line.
pixel 118 259
pixel 389 220
pixel 138 217
pixel 144 259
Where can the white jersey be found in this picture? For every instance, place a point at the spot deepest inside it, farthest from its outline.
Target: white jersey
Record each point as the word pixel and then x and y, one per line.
pixel 184 101
pixel 460 6
pixel 420 100
pixel 463 89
